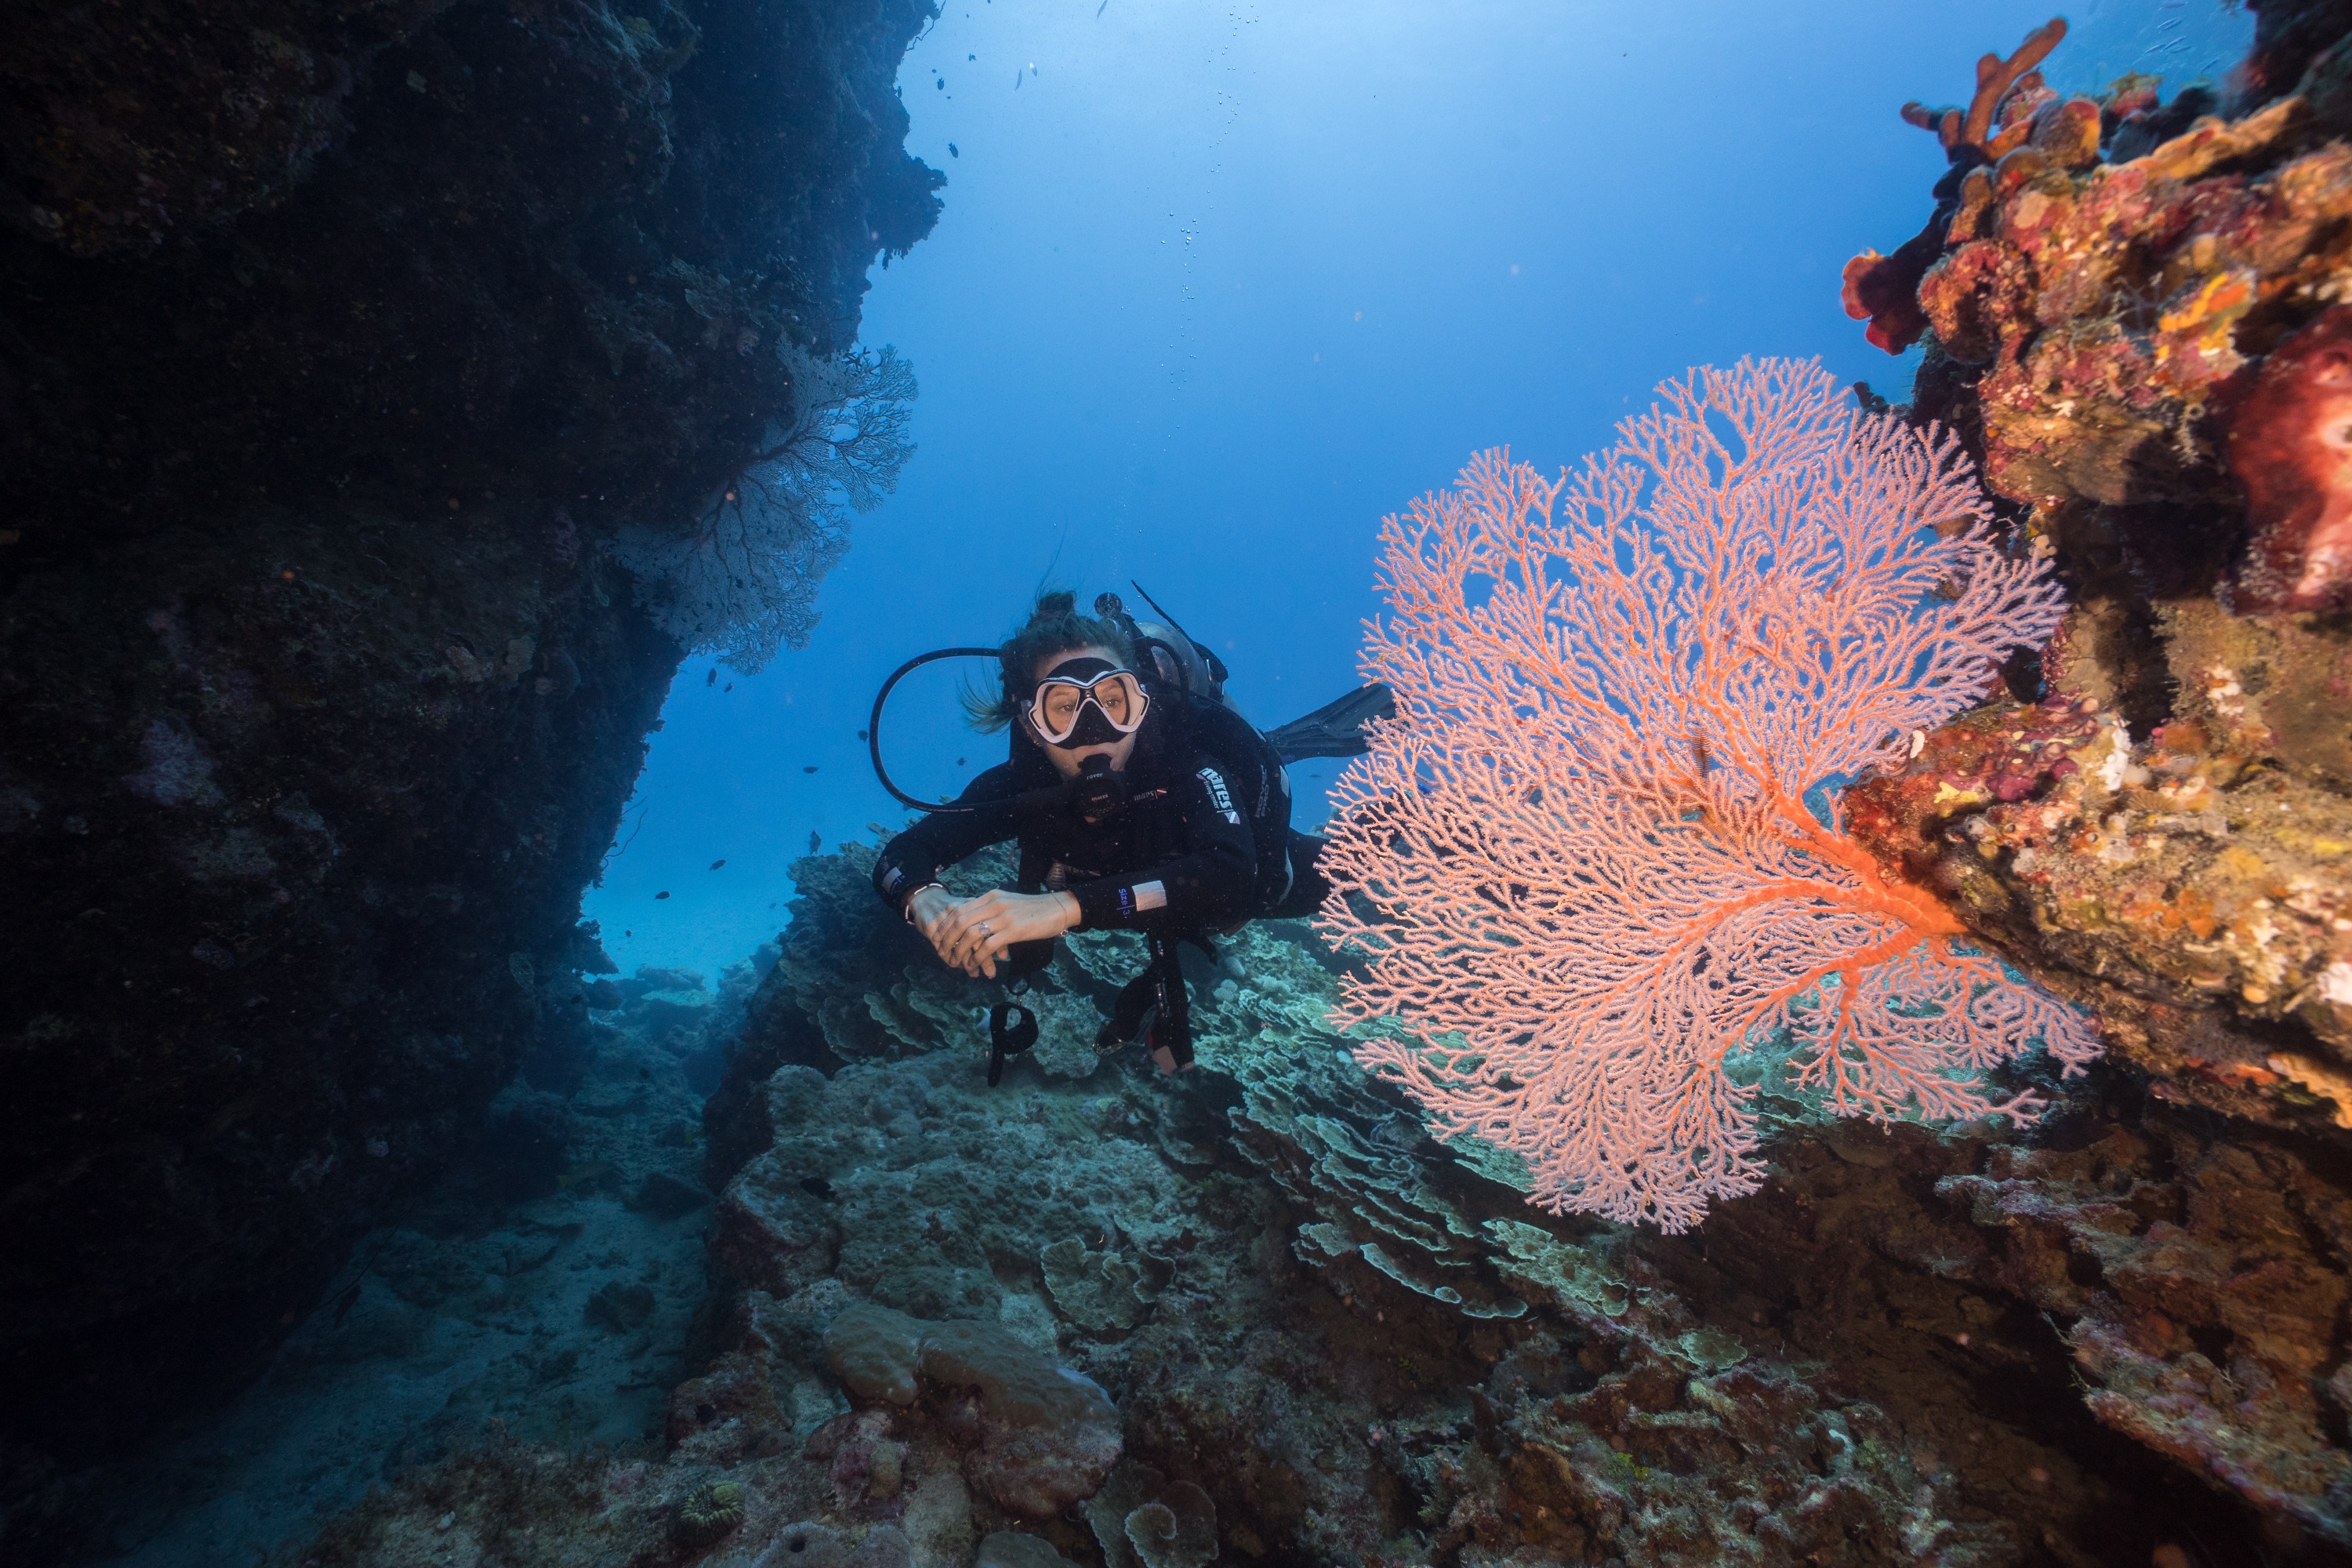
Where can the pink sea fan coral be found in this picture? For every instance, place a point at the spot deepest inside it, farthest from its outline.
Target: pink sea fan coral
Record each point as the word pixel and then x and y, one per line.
pixel 1581 860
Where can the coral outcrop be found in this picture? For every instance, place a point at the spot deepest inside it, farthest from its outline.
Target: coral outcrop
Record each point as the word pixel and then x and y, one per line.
pixel 1885 290
pixel 338 339
pixel 1036 1437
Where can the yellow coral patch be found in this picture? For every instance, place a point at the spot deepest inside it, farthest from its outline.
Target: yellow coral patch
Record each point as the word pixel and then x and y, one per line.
pixel 2210 313
pixel 2246 863
pixel 2320 1079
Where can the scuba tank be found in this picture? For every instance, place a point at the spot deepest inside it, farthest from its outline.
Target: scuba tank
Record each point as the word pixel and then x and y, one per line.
pixel 1176 659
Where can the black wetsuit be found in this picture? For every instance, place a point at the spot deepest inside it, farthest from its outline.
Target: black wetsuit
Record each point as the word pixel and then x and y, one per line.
pixel 1204 842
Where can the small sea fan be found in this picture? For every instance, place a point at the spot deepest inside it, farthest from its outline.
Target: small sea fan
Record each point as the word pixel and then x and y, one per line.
pixel 741 582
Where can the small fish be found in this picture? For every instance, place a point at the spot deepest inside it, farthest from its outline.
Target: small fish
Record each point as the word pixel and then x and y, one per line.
pixel 712 678
pixel 815 844
pixel 861 734
pixel 942 84
pixel 958 761
pixel 810 769
pixel 952 153
pixel 730 686
pixel 716 864
pixel 662 895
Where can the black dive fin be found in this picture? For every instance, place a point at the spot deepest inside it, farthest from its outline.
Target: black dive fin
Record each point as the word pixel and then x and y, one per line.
pixel 1336 729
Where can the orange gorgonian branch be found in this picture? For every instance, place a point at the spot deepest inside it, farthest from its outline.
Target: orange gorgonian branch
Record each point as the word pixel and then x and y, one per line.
pixel 1582 860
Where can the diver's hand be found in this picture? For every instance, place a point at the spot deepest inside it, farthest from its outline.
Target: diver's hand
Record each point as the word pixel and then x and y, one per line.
pixel 1007 918
pixel 928 911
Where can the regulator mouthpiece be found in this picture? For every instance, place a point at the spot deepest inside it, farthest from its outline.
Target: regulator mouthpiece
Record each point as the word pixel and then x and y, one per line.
pixel 1099 792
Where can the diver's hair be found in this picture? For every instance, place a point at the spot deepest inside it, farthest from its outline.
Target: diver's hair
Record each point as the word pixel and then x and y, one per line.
pixel 1054 627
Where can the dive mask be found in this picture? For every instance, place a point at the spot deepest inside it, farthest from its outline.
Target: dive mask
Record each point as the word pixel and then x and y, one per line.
pixel 1088 703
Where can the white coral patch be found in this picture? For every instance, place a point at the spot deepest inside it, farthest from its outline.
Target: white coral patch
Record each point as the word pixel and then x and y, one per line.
pixel 2222 691
pixel 2335 983
pixel 2118 758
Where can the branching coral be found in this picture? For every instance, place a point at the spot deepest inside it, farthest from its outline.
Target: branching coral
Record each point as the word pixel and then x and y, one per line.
pixel 1982 129
pixel 1884 289
pixel 1591 861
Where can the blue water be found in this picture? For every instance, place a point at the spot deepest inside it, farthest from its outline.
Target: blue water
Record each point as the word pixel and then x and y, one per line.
pixel 1219 284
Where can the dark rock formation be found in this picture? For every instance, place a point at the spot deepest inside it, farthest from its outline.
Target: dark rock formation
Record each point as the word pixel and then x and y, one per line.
pixel 290 870
pixel 532 1289
pixel 548 250
pixel 334 342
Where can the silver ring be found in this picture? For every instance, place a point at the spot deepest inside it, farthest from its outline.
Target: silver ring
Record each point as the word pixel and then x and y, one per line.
pixel 984 930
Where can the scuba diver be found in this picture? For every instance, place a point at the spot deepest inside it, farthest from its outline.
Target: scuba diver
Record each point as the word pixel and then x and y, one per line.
pixel 1141 800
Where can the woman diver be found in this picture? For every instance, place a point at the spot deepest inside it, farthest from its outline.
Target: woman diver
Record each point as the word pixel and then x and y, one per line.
pixel 1139 799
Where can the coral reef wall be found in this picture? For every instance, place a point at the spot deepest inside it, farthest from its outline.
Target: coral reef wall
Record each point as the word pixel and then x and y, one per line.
pixel 2132 310
pixel 335 341
pixel 547 248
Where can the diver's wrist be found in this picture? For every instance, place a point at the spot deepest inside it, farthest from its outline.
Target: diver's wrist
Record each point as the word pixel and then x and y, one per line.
pixel 1072 915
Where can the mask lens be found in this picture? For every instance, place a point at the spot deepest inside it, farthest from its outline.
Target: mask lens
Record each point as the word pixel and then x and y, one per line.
pixel 1057 708
pixel 1116 695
